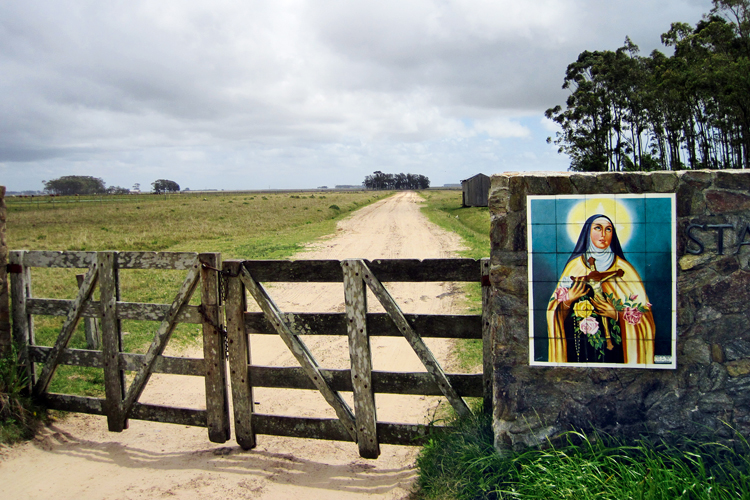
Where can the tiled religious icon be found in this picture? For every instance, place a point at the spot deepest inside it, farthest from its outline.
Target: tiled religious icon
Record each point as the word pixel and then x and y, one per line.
pixel 602 280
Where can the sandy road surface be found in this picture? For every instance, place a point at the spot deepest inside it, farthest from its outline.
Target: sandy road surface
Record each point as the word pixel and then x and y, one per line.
pixel 76 458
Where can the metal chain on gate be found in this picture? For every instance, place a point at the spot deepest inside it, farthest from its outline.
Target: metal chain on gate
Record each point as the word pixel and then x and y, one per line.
pixel 223 287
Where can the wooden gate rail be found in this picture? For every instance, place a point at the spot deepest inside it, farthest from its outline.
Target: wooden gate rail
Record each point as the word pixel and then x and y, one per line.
pixel 370 433
pixel 119 404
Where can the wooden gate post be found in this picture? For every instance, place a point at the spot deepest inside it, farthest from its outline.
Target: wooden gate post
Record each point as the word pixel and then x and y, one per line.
pixel 361 360
pixel 214 351
pixel 5 341
pixel 487 343
pixel 23 323
pixel 114 376
pixel 239 356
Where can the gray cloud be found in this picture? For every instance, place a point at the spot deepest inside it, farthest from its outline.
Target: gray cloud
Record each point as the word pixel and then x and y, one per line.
pixel 327 88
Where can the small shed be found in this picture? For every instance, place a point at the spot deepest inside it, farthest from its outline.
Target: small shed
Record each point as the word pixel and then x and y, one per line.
pixel 476 191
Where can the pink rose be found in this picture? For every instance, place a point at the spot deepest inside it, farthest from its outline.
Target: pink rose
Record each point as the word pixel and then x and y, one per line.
pixel 561 294
pixel 632 315
pixel 589 326
pixel 633 296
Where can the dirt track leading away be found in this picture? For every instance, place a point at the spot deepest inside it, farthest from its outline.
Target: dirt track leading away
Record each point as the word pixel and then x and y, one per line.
pixel 77 458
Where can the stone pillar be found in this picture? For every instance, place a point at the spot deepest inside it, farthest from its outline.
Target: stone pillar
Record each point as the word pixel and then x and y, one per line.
pixel 710 387
pixel 4 301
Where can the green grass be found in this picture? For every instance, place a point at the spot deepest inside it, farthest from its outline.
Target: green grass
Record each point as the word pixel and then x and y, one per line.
pixel 472 224
pixel 240 226
pixel 463 464
pixel 20 417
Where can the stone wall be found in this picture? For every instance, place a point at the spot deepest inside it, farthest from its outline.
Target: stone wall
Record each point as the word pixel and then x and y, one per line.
pixel 4 299
pixel 711 385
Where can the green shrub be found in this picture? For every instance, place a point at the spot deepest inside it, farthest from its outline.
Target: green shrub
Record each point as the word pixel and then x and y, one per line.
pixel 19 415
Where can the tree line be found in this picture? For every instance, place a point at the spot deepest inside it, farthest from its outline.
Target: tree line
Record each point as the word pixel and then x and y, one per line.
pixel 380 180
pixel 71 185
pixel 685 111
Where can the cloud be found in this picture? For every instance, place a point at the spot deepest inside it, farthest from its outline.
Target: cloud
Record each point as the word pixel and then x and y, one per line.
pixel 91 85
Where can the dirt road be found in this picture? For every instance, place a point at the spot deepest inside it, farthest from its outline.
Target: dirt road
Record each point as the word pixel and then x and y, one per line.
pixel 76 458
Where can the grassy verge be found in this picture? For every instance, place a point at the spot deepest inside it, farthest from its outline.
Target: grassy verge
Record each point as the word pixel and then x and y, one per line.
pixel 19 415
pixel 465 465
pixel 472 224
pixel 240 226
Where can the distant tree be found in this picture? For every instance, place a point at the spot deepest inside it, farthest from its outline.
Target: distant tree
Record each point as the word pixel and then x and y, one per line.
pixel 137 186
pixel 117 190
pixel 74 184
pixel 165 186
pixel 379 180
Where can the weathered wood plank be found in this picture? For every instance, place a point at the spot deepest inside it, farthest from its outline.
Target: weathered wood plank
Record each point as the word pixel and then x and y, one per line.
pixel 389 270
pixel 239 358
pixel 127 361
pixel 179 261
pixel 114 375
pixel 124 310
pixel 87 288
pixel 410 383
pixel 48 258
pixel 487 341
pixel 23 326
pixel 153 413
pixel 449 326
pixel 91 325
pixel 214 353
pixel 331 429
pixel 169 415
pixel 416 343
pixel 301 353
pixel 360 355
pixel 160 338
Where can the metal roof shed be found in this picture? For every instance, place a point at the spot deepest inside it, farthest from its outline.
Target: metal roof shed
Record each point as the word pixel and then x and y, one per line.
pixel 476 191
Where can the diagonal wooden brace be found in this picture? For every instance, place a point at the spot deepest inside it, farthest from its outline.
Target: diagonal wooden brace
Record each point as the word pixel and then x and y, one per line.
pixel 50 365
pixel 415 341
pixel 300 351
pixel 160 339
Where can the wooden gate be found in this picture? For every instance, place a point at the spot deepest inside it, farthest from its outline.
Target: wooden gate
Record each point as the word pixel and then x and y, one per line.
pixel 225 286
pixel 360 425
pixel 121 402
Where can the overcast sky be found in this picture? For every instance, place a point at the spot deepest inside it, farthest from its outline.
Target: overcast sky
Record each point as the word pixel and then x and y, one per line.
pixel 232 94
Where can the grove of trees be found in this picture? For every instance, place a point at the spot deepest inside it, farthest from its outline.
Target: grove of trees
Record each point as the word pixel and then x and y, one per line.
pixel 165 186
pixel 685 111
pixel 379 180
pixel 70 185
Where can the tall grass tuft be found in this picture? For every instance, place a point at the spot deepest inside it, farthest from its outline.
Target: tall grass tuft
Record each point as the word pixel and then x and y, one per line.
pixel 19 415
pixel 463 464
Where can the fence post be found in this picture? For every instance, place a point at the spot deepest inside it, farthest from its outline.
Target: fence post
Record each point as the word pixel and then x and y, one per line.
pixel 91 326
pixel 239 357
pixel 214 350
pixel 23 323
pixel 487 344
pixel 5 340
pixel 114 377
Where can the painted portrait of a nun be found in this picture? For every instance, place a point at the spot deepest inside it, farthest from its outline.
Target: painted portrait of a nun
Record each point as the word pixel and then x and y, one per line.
pixel 599 311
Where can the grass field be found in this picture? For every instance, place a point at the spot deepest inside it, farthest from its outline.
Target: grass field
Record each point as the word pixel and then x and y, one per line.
pixel 257 226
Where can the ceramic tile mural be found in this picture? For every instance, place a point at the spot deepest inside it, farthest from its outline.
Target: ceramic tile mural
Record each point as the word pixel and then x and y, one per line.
pixel 602 280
